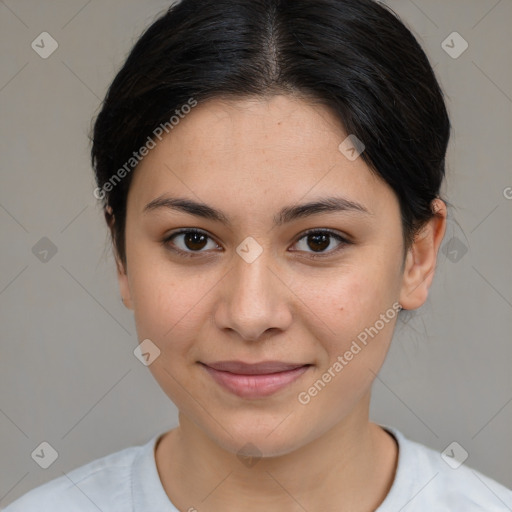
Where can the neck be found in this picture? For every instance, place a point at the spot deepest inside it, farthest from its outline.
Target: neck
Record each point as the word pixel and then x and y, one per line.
pixel 349 467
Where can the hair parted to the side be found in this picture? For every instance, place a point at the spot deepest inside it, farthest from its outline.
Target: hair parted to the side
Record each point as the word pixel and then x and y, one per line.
pixel 354 56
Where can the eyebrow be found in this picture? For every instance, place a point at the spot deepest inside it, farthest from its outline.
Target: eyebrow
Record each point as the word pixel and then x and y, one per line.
pixel 287 214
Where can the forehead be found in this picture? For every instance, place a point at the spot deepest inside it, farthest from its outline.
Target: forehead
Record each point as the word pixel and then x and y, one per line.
pixel 258 127
pixel 273 151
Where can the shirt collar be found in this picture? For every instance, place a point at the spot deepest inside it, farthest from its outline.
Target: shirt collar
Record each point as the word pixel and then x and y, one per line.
pixel 147 489
pixel 148 492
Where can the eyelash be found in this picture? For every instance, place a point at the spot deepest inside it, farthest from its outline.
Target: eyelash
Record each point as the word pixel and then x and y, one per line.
pixel 193 254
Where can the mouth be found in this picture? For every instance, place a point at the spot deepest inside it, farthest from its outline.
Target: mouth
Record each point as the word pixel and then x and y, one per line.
pixel 254 380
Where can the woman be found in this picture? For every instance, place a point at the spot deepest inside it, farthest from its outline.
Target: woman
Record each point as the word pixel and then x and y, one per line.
pixel 270 173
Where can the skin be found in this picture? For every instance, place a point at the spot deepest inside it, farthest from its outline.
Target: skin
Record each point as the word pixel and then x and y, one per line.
pixel 249 158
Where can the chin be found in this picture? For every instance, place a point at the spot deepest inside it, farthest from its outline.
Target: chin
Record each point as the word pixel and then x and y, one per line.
pixel 249 439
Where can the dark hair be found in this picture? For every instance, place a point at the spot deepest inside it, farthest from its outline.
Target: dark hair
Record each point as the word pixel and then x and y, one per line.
pixel 354 56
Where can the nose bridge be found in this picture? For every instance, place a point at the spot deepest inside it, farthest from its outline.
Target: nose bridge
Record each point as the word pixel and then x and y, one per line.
pixel 254 299
pixel 252 278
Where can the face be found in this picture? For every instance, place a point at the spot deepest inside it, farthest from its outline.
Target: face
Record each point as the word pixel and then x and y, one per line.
pixel 254 284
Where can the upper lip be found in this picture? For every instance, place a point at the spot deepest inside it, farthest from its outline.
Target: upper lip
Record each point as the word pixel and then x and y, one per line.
pixel 264 367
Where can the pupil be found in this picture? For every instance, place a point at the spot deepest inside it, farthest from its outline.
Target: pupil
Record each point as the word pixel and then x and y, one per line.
pixel 196 241
pixel 320 239
pixel 192 239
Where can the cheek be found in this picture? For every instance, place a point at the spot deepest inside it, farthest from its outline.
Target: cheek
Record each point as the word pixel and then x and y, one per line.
pixel 169 311
pixel 353 339
pixel 360 315
pixel 346 302
pixel 169 301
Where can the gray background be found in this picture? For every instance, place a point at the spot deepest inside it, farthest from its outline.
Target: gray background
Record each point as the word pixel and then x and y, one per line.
pixel 68 373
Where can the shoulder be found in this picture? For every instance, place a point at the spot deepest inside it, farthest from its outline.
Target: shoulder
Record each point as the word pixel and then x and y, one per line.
pixel 428 480
pixel 102 484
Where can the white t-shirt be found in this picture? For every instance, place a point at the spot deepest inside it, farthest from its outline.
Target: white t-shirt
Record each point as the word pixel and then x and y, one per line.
pixel 128 481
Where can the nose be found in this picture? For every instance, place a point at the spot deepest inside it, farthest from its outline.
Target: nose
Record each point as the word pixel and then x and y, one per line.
pixel 255 300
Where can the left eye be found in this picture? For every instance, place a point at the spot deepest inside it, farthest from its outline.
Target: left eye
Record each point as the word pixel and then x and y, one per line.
pixel 319 240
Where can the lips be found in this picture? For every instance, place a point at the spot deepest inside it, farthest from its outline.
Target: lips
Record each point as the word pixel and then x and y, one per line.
pixel 254 380
pixel 241 368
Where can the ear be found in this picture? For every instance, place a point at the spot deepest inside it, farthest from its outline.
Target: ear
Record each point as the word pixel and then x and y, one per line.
pixel 421 259
pixel 122 276
pixel 124 284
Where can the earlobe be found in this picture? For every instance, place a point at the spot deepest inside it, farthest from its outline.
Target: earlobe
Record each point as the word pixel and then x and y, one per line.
pixel 419 268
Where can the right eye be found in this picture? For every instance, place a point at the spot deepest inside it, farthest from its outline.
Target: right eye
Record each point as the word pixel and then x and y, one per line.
pixel 192 241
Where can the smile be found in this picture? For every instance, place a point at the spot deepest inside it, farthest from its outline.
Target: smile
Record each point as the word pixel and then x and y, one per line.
pixel 254 380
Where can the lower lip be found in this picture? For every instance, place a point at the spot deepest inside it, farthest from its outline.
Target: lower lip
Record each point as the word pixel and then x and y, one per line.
pixel 255 386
